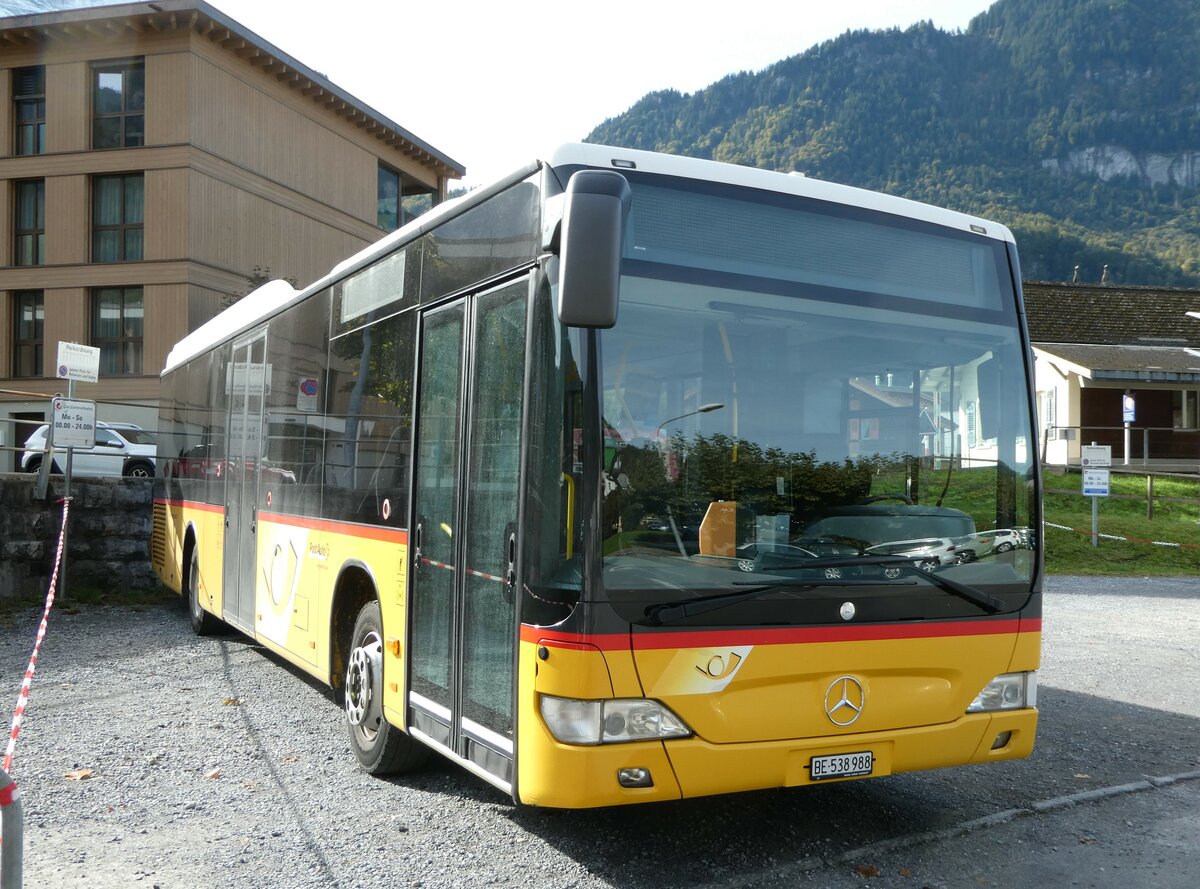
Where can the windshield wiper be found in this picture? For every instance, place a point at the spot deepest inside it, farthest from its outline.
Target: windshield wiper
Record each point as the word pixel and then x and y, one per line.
pixel 656 614
pixel 986 601
pixel 688 607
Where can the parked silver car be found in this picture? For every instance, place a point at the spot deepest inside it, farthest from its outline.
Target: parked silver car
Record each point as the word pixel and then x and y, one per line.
pixel 121 449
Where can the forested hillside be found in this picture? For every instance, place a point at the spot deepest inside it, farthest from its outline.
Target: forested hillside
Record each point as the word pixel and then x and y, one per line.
pixel 1074 122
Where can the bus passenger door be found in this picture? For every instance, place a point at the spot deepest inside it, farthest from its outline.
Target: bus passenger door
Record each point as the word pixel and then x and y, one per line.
pixel 464 527
pixel 246 382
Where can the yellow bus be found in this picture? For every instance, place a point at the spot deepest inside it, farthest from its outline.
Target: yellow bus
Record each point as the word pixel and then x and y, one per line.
pixel 630 477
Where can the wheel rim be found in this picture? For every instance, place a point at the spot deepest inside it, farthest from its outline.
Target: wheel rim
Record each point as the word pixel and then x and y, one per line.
pixel 364 687
pixel 194 586
pixel 139 472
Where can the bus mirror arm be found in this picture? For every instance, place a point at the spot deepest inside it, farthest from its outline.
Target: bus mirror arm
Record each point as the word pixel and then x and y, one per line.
pixel 593 231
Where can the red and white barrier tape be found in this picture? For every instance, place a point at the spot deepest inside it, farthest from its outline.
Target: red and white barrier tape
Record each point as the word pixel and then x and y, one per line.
pixel 471 571
pixel 1125 539
pixel 23 697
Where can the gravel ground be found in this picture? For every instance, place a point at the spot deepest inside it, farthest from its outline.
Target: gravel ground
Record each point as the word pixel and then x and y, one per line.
pixel 152 758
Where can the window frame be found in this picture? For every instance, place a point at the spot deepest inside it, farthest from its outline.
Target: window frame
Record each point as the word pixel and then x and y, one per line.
pixel 115 350
pixel 36 123
pixel 32 345
pixel 126 113
pixel 123 227
pixel 37 234
pixel 383 170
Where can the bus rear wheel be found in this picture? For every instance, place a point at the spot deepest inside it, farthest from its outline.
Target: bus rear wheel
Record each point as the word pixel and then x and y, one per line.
pixel 381 748
pixel 203 623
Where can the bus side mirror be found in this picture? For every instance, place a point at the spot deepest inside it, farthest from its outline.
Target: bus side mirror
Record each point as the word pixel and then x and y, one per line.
pixel 593 230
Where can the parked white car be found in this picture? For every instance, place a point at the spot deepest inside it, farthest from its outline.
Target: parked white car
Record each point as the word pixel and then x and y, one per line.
pixel 121 449
pixel 988 543
pixel 928 553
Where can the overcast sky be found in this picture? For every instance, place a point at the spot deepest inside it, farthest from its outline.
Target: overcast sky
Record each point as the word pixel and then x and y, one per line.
pixel 497 83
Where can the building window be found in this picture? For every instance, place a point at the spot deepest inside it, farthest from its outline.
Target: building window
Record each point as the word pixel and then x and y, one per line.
pixel 117 329
pixel 117 218
pixel 118 105
pixel 29 314
pixel 387 199
pixel 30 246
pixel 29 101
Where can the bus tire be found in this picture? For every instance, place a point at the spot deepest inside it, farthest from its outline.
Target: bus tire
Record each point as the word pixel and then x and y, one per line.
pixel 381 748
pixel 203 623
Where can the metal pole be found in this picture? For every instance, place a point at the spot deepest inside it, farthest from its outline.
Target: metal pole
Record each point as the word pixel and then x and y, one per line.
pixel 62 580
pixel 1095 521
pixel 12 833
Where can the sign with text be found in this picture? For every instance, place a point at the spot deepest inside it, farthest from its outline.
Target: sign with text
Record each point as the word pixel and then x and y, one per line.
pixel 307 395
pixel 1095 456
pixel 1095 483
pixel 1128 408
pixel 77 362
pixel 73 423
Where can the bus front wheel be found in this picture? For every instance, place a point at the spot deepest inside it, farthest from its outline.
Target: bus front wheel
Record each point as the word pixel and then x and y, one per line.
pixel 381 748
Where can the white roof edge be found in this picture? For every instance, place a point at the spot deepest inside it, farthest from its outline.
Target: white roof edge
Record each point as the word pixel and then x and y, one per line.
pixel 274 295
pixel 258 304
pixel 754 177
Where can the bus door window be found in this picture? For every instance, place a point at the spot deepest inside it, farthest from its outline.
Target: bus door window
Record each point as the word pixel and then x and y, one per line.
pixel 553 510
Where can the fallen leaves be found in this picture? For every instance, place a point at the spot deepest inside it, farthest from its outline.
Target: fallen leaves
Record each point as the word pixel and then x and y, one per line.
pixel 79 774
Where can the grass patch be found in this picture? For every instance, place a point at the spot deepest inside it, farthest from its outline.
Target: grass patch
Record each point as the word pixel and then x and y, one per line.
pixel 1123 515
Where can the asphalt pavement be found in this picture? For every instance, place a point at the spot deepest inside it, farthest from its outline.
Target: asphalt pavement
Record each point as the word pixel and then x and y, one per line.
pixel 152 758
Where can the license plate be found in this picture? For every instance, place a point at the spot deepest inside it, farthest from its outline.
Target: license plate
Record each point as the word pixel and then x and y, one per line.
pixel 841 765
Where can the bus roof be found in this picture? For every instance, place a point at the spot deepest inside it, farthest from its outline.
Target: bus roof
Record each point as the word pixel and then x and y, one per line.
pixel 272 297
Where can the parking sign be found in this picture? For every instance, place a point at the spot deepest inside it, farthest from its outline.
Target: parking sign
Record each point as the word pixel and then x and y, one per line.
pixel 73 423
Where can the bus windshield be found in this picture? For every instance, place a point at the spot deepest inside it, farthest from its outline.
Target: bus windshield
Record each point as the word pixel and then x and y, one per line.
pixel 811 399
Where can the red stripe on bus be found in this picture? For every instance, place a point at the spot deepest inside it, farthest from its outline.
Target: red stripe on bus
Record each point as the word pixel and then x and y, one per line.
pixel 782 636
pixel 372 532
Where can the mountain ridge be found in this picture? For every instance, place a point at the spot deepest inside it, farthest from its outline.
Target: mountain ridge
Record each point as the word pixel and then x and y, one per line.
pixel 1074 122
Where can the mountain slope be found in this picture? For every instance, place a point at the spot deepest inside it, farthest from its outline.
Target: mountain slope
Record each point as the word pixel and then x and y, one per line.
pixel 1075 122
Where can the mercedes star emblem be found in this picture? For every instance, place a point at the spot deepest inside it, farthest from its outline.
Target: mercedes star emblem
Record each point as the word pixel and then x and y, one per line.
pixel 844 700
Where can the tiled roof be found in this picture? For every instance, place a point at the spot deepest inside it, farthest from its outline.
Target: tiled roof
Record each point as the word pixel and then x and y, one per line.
pixel 1133 316
pixel 1140 363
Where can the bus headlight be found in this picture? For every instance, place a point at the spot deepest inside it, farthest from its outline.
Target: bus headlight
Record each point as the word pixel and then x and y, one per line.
pixel 1008 691
pixel 573 721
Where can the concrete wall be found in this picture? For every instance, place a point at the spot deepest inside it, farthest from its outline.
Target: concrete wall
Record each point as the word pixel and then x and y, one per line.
pixel 108 545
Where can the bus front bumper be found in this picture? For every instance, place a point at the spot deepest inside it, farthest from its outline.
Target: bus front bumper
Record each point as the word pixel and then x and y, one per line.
pixel 583 777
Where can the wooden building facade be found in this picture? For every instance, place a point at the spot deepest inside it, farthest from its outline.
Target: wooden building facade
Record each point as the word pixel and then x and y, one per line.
pixel 153 158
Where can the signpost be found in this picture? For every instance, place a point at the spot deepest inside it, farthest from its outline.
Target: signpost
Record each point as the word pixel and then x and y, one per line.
pixel 1095 460
pixel 1128 416
pixel 72 423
